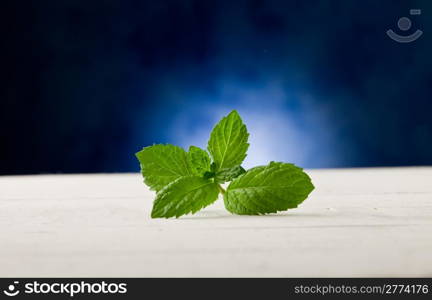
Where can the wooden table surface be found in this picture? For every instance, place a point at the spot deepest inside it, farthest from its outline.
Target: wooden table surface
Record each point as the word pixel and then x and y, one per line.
pixel 357 222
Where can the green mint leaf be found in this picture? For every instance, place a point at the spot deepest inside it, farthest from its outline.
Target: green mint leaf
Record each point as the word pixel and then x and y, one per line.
pixel 162 164
pixel 228 142
pixel 186 195
pixel 229 174
pixel 268 189
pixel 209 174
pixel 200 160
pixel 213 167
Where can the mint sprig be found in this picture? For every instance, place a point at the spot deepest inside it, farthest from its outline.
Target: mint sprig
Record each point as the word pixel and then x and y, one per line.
pixel 186 182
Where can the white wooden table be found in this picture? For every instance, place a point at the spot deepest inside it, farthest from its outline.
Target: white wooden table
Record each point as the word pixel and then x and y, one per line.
pixel 358 222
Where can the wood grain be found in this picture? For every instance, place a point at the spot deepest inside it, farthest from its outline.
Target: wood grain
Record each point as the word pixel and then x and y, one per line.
pixel 358 222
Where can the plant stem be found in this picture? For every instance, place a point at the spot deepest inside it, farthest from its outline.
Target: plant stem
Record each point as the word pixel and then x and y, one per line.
pixel 221 189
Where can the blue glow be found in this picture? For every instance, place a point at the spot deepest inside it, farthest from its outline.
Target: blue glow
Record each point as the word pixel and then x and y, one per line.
pixel 283 125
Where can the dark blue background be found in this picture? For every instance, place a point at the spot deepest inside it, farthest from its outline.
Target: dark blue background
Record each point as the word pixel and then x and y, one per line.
pixel 86 84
